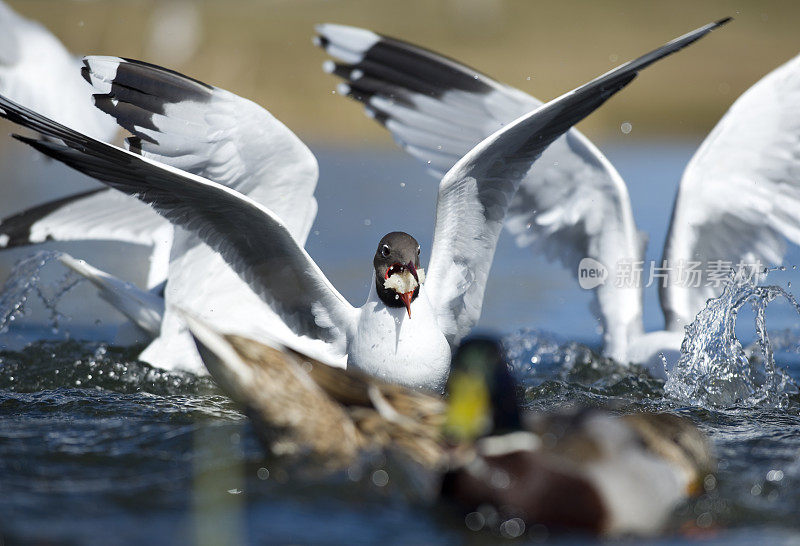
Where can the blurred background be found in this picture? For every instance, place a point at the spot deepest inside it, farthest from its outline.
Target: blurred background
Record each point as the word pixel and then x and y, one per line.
pixel 262 50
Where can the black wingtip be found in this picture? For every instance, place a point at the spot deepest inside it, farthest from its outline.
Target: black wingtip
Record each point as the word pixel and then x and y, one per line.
pixel 86 72
pixel 26 140
pixel 723 21
pixel 134 145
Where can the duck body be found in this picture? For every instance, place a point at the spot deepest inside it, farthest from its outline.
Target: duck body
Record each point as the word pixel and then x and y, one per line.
pixel 394 347
pixel 586 470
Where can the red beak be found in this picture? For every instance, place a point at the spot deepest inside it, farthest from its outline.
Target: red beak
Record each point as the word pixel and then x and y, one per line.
pixel 407 300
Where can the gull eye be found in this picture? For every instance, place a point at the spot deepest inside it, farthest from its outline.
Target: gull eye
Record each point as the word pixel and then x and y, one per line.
pixel 385 250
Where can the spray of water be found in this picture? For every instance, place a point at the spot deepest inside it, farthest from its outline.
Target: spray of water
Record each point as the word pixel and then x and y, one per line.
pixel 24 282
pixel 714 370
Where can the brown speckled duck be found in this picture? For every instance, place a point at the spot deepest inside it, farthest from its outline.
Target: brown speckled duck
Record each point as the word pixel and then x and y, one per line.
pixel 578 470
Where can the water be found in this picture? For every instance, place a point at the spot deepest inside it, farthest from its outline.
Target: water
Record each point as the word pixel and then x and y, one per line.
pixel 715 369
pixel 98 448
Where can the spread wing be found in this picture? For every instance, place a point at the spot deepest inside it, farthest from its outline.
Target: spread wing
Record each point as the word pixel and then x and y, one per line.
pixel 101 214
pixel 253 241
pixel 739 199
pixel 476 192
pixel 570 205
pixel 38 72
pixel 209 132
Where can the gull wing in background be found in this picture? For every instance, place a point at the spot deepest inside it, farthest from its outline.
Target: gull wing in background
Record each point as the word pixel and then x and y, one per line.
pixel 572 203
pixel 144 309
pixel 100 214
pixel 210 132
pixel 38 72
pixel 476 192
pixel 739 198
pixel 249 236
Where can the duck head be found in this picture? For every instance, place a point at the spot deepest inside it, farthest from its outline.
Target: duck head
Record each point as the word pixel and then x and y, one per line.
pixel 398 275
pixel 482 396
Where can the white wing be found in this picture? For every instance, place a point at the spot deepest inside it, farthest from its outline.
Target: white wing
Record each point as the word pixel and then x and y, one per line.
pixel 572 204
pixel 250 237
pixel 38 72
pixel 209 132
pixel 145 309
pixel 93 215
pixel 437 109
pixel 739 198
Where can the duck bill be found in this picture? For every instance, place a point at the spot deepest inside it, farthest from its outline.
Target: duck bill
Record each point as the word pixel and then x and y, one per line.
pixel 406 297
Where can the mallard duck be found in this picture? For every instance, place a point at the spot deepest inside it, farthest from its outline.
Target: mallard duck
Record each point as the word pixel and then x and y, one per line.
pixel 302 405
pixel 583 470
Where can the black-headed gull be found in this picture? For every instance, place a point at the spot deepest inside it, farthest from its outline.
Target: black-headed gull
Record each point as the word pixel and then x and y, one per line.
pixel 473 197
pixel 738 198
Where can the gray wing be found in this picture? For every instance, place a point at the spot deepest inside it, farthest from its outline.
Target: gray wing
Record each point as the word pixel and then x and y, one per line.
pixel 210 132
pixel 476 192
pixel 252 239
pixel 739 198
pixel 572 204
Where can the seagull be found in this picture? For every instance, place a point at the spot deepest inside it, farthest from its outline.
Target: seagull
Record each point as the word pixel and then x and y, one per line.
pixel 206 131
pixel 574 469
pixel 738 198
pixel 378 337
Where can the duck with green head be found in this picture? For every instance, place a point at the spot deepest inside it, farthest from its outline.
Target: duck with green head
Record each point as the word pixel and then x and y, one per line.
pixel 583 470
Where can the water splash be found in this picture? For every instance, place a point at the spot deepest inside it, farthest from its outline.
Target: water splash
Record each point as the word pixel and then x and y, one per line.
pixel 24 281
pixel 554 372
pixel 714 370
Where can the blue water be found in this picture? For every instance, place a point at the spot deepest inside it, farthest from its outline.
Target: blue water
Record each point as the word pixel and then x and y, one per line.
pixel 97 448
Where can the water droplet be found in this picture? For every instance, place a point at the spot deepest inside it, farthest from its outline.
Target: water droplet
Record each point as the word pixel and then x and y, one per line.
pixel 367 222
pixel 705 520
pixel 262 473
pixel 512 528
pixel 626 127
pixel 774 475
pixel 402 184
pixel 380 478
pixel 475 520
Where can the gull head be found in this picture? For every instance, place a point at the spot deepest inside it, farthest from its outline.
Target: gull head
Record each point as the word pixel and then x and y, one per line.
pixel 398 275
